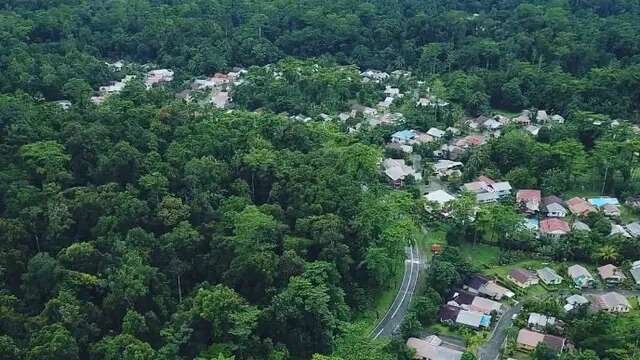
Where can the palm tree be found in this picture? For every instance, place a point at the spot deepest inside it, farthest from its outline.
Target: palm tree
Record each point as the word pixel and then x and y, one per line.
pixel 607 253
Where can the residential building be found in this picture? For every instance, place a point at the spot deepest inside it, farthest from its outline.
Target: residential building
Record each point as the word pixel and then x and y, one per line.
pixel 625 231
pixel 575 301
pixel 436 133
pixel 533 129
pixel 529 340
pixel 549 276
pixel 485 198
pixel 580 226
pixel 581 276
pixel 579 206
pixel 485 306
pixel 158 76
pixel 555 210
pixel 611 210
pixel 542 116
pixel 473 319
pixel 432 348
pixel 633 229
pixel 612 302
pixel 522 277
pixel 635 271
pixel 523 119
pixel 447 167
pixel 540 322
pixel 397 171
pixel 529 199
pixel 403 137
pixel 554 227
pixel 440 197
pixel 603 200
pixel 495 291
pixel 551 199
pixel 611 274
pixel 448 314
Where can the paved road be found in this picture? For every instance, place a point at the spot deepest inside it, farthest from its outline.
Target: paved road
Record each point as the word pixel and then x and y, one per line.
pixel 626 293
pixel 491 349
pixel 391 321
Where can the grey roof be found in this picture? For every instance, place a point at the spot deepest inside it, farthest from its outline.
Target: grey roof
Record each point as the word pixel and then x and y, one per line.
pixel 634 229
pixel 577 299
pixel 501 186
pixel 471 318
pixel 635 272
pixel 548 275
pixel 579 225
pixel 489 196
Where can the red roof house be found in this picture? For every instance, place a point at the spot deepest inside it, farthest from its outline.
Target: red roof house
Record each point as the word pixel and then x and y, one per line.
pixel 554 227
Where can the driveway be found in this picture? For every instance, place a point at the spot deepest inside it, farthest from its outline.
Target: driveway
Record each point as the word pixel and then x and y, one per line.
pixel 391 321
pixel 491 349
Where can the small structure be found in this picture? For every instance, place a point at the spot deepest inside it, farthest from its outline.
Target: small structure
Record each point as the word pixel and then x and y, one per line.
pixel 554 227
pixel 529 199
pixel 158 76
pixel 612 302
pixel 611 210
pixel 540 322
pixel 473 319
pixel 440 197
pixel 580 226
pixel 529 340
pixel 581 276
pixel 549 276
pixel 633 229
pixel 575 301
pixel 611 274
pixel 555 210
pixel 485 306
pixel 579 206
pixel 522 277
pixel 635 271
pixel 403 136
pixel 432 348
pixel 436 133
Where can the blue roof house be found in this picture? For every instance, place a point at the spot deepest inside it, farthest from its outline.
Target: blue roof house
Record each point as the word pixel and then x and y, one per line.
pixel 602 201
pixel 403 136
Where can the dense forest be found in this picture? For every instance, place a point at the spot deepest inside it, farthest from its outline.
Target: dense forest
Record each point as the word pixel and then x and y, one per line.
pixel 152 228
pixel 559 55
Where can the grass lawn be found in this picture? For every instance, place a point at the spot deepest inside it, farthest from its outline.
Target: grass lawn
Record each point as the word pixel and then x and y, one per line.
pixel 440 329
pixel 371 316
pixel 586 193
pixel 481 255
pixel 507 113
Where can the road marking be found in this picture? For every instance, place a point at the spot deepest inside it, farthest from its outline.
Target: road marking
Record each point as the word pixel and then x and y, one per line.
pixel 390 307
pixel 408 284
pixel 378 334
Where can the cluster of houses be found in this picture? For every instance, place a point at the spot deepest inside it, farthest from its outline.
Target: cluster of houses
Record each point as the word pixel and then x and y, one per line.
pixel 610 275
pixel 152 78
pixel 475 304
pixel 538 326
pixel 218 87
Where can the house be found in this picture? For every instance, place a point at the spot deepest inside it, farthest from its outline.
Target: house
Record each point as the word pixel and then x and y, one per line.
pixel 523 119
pixel 475 282
pixel 557 119
pixel 612 302
pixel 473 319
pixel 432 348
pixel 633 229
pixel 540 322
pixel 485 306
pixel 492 125
pixel 554 227
pixel 551 199
pixel 436 133
pixel 158 76
pixel 502 188
pixel 403 137
pixel 633 201
pixel 581 276
pixel 611 210
pixel 542 116
pixel 471 140
pixel 396 170
pixel 447 167
pixel 580 226
pixel 611 274
pixel 549 276
pixel 533 130
pixel 529 199
pixel 522 277
pixel 635 271
pixel 529 340
pixel 487 197
pixel 386 102
pixel 392 91
pixel 439 196
pixel 462 299
pixel 64 104
pixel 374 75
pixel 555 210
pixel 495 291
pixel 617 229
pixel 579 206
pixel 448 314
pixel 453 131
pixel 575 301
pixel 487 190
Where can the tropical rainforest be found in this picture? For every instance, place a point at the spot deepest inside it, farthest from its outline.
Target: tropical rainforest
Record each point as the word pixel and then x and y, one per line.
pixel 150 228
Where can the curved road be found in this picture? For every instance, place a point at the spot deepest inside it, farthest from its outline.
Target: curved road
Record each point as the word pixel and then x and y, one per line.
pixel 391 321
